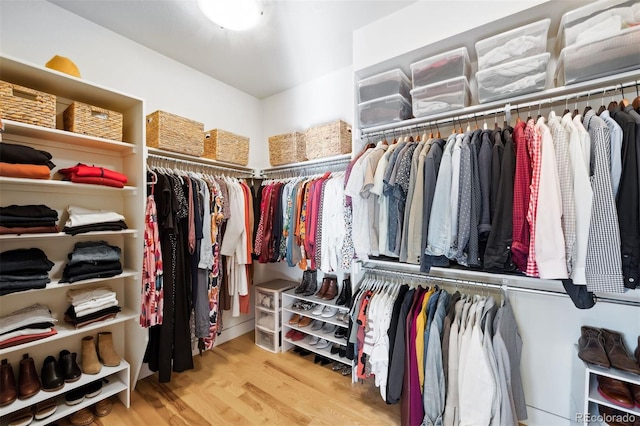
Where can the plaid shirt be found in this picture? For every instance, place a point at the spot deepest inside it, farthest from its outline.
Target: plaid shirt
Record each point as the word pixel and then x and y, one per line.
pixel 521 190
pixel 534 143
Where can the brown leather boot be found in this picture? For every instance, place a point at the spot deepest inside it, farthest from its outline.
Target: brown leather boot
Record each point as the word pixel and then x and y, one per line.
pixel 591 347
pixel 324 288
pixel 8 389
pixel 106 353
pixel 28 381
pixel 615 391
pixel 90 363
pixel 617 352
pixel 332 291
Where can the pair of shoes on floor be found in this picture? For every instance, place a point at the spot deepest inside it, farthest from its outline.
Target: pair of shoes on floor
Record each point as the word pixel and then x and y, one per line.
pixel 39 411
pixel 322 360
pixel 343 368
pixel 301 351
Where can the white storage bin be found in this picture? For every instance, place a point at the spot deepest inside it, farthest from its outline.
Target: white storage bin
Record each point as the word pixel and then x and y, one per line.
pixel 444 66
pixel 580 62
pixel 267 320
pixel 393 82
pixel 265 299
pixel 267 340
pixel 385 110
pixel 522 42
pixel 513 78
pixel 596 21
pixel 440 97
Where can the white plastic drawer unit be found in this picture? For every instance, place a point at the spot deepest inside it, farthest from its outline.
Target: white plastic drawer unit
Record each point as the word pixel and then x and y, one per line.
pixel 440 97
pixel 393 82
pixel 515 78
pixel 612 55
pixel 268 340
pixel 265 299
pixel 385 110
pixel 267 320
pixel 522 42
pixel 442 67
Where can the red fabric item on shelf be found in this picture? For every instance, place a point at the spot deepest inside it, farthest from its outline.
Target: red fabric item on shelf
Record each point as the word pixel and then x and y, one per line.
pixel 28 171
pixel 18 340
pixel 97 181
pixel 82 170
pixel 30 230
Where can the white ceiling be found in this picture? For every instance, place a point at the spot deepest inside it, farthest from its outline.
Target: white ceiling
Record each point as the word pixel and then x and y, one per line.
pixel 296 40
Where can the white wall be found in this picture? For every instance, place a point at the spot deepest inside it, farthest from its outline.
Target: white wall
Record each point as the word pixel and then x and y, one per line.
pixel 550 325
pixel 34 31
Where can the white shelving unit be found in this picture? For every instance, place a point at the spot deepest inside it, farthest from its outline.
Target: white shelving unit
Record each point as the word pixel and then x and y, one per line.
pixel 268 306
pixel 289 297
pixel 586 386
pixel 69 149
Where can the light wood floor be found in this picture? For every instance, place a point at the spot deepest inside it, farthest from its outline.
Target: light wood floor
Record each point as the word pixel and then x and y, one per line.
pixel 240 384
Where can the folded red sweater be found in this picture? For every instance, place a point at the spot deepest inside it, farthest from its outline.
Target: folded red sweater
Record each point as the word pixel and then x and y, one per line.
pixel 97 181
pixel 82 170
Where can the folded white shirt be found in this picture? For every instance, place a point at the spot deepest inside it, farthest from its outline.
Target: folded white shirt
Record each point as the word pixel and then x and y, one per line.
pixel 33 314
pixel 80 216
pixel 86 311
pixel 78 296
pixel 95 302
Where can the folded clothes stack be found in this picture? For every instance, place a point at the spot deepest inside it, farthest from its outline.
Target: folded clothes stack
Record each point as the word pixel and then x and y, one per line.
pixel 91 305
pixel 20 161
pixel 94 175
pixel 29 219
pixel 23 269
pixel 83 220
pixel 92 259
pixel 26 325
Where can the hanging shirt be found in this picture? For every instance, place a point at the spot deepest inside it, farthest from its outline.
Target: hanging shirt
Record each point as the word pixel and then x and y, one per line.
pixel 534 144
pixel 521 196
pixel 615 162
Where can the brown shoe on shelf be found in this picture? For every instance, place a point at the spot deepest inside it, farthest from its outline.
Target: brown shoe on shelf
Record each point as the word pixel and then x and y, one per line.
pixel 83 417
pixel 28 381
pixel 617 352
pixel 90 363
pixel 615 391
pixel 8 388
pixel 103 408
pixel 332 291
pixel 305 321
pixel 635 392
pixel 324 288
pixel 294 319
pixel 611 413
pixel 591 347
pixel 106 352
pixel 637 352
pixel 21 417
pixel 46 408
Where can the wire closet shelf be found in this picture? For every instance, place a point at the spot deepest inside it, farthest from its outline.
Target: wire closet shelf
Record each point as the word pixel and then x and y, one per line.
pixel 193 165
pixel 307 168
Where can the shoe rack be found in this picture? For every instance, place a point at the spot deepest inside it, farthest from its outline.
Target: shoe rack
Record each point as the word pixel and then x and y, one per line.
pixel 68 149
pixel 586 386
pixel 289 299
pixel 268 306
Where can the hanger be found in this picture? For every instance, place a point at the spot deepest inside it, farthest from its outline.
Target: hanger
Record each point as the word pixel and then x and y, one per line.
pixel 475 118
pixel 624 102
pixel 518 120
pixel 539 107
pixel 529 113
pixel 588 107
pixel 636 101
pixel 575 111
pixel 602 107
pixel 566 106
pixel 613 105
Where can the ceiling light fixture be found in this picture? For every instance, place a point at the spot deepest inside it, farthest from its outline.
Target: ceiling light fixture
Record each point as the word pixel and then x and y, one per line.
pixel 236 15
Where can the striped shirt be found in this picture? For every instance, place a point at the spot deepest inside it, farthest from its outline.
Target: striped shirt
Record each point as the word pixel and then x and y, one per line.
pixel 534 144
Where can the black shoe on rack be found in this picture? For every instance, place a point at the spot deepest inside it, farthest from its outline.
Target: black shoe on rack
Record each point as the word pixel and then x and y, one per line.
pixel 303 283
pixel 312 283
pixel 342 298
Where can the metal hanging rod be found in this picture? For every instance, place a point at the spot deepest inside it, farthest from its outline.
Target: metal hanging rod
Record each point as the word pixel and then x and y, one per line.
pixel 307 168
pixel 478 112
pixel 482 285
pixel 194 165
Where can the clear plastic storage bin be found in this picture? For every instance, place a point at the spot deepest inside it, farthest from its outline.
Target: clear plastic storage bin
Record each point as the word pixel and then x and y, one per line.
pixel 444 66
pixel 385 110
pixel 440 97
pixel 267 340
pixel 596 21
pixel 267 320
pixel 513 78
pixel 393 82
pixel 612 55
pixel 522 42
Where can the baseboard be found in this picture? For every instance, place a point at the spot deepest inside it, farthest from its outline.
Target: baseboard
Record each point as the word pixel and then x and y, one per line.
pixel 537 417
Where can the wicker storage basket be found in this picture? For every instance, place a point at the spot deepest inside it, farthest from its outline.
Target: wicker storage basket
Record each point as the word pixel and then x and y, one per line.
pixel 226 146
pixel 287 148
pixel 93 121
pixel 26 105
pixel 328 139
pixel 174 133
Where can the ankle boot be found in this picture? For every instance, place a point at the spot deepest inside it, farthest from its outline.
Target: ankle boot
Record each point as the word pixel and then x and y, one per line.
pixel 312 283
pixel 617 352
pixel 324 288
pixel 591 347
pixel 90 363
pixel 304 282
pixel 69 366
pixel 332 290
pixel 28 381
pixel 8 388
pixel 51 376
pixel 347 283
pixel 342 298
pixel 106 353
